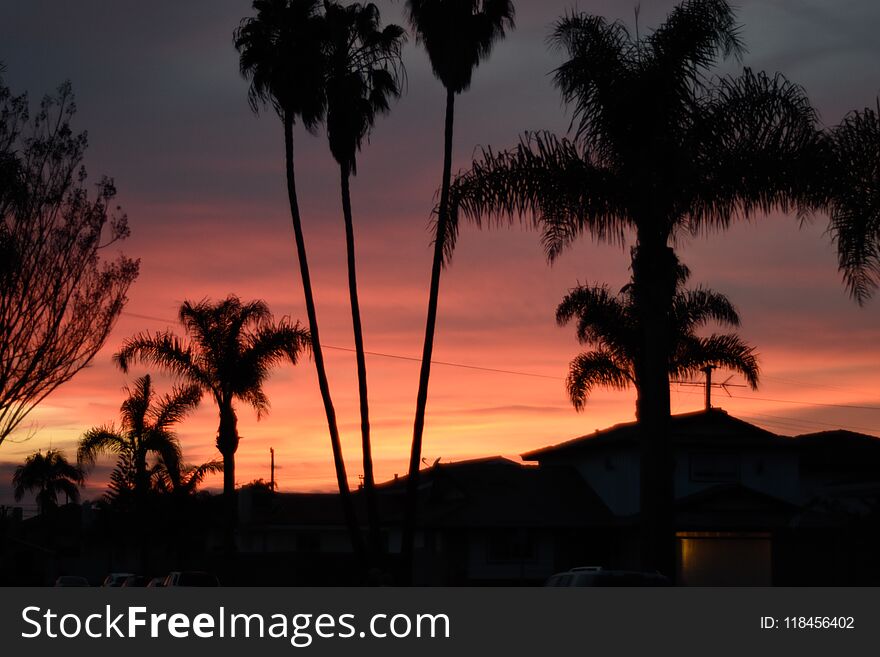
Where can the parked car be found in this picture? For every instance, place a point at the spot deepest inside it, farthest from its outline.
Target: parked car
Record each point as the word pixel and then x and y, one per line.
pixel 156 582
pixel 71 580
pixel 191 578
pixel 116 579
pixel 598 576
pixel 136 580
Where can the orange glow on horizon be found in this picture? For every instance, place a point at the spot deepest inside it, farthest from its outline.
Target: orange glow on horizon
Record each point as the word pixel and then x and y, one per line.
pixel 505 322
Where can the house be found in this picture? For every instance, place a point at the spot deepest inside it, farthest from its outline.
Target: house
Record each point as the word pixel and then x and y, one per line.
pixel 482 521
pixel 752 507
pixel 495 521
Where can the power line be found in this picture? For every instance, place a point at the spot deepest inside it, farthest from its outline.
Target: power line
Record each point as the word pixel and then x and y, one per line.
pixel 447 364
pixel 803 403
pixel 792 401
pixel 150 317
pixel 789 421
pixel 396 356
pixel 807 384
pixel 795 422
pixel 540 376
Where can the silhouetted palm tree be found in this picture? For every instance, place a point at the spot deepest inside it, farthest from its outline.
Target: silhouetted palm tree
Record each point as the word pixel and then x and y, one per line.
pixel 281 53
pixel 363 77
pixel 458 35
pixel 50 475
pixel 658 150
pixel 854 192
pixel 146 430
pixel 232 347
pixel 610 324
pixel 181 478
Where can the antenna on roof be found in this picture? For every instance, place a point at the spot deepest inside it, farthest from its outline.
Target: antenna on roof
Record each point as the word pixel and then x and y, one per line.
pixel 708 385
pixel 708 370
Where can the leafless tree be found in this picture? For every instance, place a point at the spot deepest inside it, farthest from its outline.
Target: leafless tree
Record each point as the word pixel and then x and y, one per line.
pixel 59 299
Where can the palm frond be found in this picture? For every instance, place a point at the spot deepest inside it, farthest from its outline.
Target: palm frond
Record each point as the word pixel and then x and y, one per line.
pixel 602 318
pixel 67 487
pixel 163 350
pixel 47 475
pixel 195 475
pixel 459 34
pixel 547 183
pixel 613 324
pixel 165 445
pixel 757 140
pixel 692 309
pixel 100 440
pixel 728 351
pixel 175 406
pixel 280 53
pixel 137 403
pixel 694 37
pixel 364 74
pixel 265 349
pixel 593 369
pixel 599 60
pixel 855 201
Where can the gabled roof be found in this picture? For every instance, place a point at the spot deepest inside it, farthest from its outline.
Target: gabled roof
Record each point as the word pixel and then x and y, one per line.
pixel 732 507
pixel 712 427
pixel 498 492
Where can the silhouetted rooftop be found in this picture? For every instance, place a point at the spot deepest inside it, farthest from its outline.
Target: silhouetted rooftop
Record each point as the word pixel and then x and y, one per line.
pixel 487 492
pixel 712 427
pixel 855 454
pixel 498 492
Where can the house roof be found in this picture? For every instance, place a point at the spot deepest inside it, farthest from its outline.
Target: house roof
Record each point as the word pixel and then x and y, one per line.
pixel 732 506
pixel 498 492
pixel 846 455
pixel 488 492
pixel 713 427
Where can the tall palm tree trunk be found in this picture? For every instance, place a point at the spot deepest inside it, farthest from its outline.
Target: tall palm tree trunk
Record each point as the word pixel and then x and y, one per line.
pixel 141 480
pixel 653 275
pixel 335 443
pixel 369 482
pixel 415 458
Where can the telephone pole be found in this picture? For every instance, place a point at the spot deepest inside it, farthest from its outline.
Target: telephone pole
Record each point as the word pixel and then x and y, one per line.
pixel 272 469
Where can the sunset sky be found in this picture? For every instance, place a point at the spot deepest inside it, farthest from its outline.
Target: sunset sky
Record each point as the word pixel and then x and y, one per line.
pixel 202 181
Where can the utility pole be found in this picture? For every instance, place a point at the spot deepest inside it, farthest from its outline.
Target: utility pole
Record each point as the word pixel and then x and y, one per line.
pixel 272 468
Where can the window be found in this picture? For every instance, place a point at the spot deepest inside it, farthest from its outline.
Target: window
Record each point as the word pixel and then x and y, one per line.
pixel 717 467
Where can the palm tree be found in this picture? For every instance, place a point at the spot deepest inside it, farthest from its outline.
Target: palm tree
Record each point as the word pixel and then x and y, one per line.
pixel 231 348
pixel 363 76
pixel 146 430
pixel 48 474
pixel 182 479
pixel 281 52
pixel 458 35
pixel 610 324
pixel 658 149
pixel 853 189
